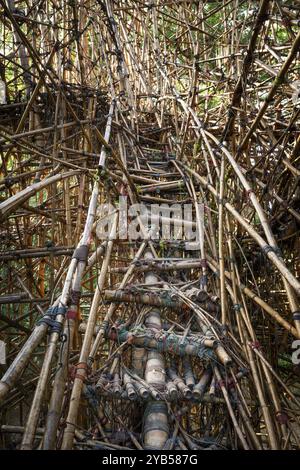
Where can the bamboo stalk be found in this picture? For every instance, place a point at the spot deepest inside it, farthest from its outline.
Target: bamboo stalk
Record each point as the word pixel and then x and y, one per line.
pixel 81 371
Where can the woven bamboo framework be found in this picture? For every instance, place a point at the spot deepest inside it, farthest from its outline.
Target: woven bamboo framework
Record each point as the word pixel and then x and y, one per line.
pixel 149 224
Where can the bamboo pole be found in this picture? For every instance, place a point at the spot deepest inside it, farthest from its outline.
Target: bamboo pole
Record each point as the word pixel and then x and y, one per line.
pixel 81 370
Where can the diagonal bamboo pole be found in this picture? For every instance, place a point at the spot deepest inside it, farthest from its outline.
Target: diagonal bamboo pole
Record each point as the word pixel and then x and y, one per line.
pixel 84 354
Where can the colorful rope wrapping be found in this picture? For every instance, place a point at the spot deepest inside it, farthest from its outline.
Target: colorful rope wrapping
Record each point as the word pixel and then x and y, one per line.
pixel 163 341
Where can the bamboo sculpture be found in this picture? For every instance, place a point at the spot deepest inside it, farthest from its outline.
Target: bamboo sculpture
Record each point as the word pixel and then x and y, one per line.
pixel 149 224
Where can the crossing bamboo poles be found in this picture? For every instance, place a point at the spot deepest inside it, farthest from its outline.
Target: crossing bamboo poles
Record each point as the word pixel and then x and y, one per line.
pixel 80 255
pixel 185 78
pixel 260 241
pixel 155 429
pixel 81 367
pixel 76 391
